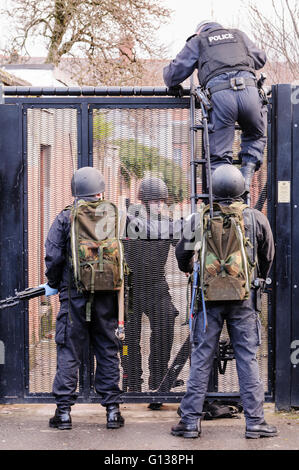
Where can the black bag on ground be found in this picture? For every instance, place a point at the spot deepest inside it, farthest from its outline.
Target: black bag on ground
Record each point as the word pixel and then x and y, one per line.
pixel 218 409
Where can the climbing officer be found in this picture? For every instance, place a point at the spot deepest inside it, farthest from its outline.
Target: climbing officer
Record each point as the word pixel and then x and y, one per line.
pixel 149 237
pixel 226 61
pixel 72 329
pixel 241 317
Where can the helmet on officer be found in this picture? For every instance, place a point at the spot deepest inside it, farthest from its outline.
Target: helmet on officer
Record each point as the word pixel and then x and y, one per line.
pixel 204 25
pixel 227 182
pixel 87 181
pixel 152 188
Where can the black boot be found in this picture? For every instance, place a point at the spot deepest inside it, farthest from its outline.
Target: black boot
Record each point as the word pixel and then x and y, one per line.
pixel 155 406
pixel 62 418
pixel 114 418
pixel 187 430
pixel 260 430
pixel 247 171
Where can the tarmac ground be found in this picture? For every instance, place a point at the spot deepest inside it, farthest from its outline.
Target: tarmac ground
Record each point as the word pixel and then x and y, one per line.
pixel 25 427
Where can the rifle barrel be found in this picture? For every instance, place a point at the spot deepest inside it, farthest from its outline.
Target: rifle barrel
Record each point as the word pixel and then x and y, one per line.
pixel 26 294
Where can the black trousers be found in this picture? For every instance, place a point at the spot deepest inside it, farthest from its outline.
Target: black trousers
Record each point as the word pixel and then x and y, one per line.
pixel 244 329
pixel 156 303
pixel 72 334
pixel 245 107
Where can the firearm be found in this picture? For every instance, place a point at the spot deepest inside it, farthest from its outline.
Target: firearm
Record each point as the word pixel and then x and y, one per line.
pixel 203 98
pixel 262 91
pixel 261 286
pixel 26 294
pixel 170 379
pixel 225 353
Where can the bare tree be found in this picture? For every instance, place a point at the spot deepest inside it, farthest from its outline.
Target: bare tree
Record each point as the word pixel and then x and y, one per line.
pixel 108 36
pixel 277 32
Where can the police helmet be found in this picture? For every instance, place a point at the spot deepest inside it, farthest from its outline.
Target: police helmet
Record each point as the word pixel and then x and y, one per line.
pixel 87 181
pixel 152 188
pixel 227 181
pixel 204 23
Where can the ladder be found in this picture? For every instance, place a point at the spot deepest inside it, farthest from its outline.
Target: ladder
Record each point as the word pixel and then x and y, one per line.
pixel 198 95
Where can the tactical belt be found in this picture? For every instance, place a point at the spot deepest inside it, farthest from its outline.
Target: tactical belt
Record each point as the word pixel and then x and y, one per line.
pixel 236 84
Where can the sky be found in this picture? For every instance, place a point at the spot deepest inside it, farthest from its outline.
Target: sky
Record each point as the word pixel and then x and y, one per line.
pixel 185 17
pixel 188 13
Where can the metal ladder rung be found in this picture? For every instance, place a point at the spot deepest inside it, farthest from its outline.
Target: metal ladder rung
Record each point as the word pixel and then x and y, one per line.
pixel 200 196
pixel 201 125
pixel 198 162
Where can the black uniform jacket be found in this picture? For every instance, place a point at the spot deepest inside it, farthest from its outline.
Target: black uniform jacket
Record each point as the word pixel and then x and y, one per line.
pixel 188 59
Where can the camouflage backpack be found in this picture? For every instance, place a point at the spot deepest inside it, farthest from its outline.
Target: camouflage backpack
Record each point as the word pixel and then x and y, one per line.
pixel 226 267
pixel 97 252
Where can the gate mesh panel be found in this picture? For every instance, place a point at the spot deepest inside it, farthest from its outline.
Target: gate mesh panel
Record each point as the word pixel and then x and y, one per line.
pixel 52 158
pixel 128 143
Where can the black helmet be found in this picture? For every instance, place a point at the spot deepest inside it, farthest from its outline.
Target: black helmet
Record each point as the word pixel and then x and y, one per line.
pixel 202 25
pixel 227 181
pixel 152 188
pixel 87 181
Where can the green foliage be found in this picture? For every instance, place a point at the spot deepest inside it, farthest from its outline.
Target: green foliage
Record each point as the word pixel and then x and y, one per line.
pixel 102 129
pixel 138 159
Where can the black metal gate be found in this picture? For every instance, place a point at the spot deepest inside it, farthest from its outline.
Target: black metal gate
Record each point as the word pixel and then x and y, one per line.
pixel 127 134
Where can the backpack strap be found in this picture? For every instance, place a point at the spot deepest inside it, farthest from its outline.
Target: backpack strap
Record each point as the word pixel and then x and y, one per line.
pixel 250 219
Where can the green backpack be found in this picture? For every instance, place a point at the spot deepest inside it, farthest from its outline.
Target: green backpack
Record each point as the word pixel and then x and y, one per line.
pixel 96 250
pixel 226 267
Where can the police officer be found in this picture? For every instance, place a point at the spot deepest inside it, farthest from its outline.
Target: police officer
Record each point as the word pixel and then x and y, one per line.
pixel 150 234
pixel 242 322
pixel 226 60
pixel 72 330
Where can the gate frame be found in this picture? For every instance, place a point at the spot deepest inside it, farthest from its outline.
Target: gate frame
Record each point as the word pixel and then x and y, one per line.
pixel 285 168
pixel 85 104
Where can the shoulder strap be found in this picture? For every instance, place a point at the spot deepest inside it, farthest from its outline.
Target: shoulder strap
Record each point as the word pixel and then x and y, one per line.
pixel 252 237
pixel 236 207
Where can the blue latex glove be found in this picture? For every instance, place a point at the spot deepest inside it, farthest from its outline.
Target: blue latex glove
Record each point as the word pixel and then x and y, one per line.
pixel 49 290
